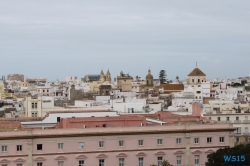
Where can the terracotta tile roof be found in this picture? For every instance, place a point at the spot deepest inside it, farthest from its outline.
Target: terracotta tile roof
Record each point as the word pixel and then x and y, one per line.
pixel 196 72
pixel 171 86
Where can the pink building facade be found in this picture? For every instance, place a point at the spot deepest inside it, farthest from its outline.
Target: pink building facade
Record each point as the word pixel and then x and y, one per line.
pixel 181 145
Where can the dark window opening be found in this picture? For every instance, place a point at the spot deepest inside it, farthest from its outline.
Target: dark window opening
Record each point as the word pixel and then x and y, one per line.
pixel 39 146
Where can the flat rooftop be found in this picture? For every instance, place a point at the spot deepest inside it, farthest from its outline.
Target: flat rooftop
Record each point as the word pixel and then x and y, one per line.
pixel 55 133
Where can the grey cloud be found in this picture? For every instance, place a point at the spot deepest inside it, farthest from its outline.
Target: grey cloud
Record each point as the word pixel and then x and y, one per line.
pixel 60 38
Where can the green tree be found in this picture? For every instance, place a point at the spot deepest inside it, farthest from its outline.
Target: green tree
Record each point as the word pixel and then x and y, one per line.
pixel 218 157
pixel 164 163
pixel 162 76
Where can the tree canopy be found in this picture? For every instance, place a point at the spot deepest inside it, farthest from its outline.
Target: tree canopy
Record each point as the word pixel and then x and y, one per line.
pixel 236 156
pixel 164 163
pixel 162 76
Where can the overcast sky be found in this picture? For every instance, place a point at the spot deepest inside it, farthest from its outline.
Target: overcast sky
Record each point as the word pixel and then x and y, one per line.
pixel 57 38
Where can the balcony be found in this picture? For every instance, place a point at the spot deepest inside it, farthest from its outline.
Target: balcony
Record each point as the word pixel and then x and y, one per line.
pixel 237 134
pixel 237 121
pixel 246 133
pixel 246 121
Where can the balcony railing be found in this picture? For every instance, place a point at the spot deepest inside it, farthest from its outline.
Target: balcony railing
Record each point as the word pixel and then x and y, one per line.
pixel 246 133
pixel 237 121
pixel 237 133
pixel 246 121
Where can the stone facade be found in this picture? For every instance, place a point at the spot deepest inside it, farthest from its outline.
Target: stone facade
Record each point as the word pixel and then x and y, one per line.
pixel 75 94
pixel 16 77
pixel 105 89
pixel 124 82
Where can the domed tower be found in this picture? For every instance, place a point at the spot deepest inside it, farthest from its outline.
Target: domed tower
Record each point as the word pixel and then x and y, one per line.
pixel 149 78
pixel 121 73
pixel 102 76
pixel 87 78
pixel 108 76
pixel 196 76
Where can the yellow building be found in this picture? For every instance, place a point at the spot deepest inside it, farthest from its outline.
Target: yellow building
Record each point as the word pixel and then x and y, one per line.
pixel 124 82
pixel 94 86
pixel 24 84
pixel 1 88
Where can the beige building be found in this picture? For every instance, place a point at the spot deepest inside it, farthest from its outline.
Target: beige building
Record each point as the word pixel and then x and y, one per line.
pixel 24 84
pixel 240 121
pixel 1 87
pixel 16 77
pixel 139 85
pixel 106 80
pixel 149 84
pixel 196 77
pixel 124 82
pixel 33 106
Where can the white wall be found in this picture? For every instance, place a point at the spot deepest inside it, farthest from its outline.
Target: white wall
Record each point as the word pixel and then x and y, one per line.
pixel 124 107
pixel 155 107
pixel 80 103
pixel 102 98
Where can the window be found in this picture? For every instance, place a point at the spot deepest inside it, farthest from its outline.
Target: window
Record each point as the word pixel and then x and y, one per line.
pixel 178 140
pixel 34 114
pixel 178 160
pixel 238 130
pixel 218 118
pixel 196 140
pixel 159 141
pixel 81 145
pixel 19 164
pixel 121 161
pixel 81 162
pixel 228 119
pixel 4 148
pixel 159 161
pixel 221 139
pixel 246 129
pixel 121 143
pixel 19 148
pixel 39 146
pixel 60 163
pixel 4 165
pixel 39 164
pixel 209 140
pixel 101 162
pixel 35 105
pixel 101 144
pixel 140 142
pixel 196 159
pixel 237 118
pixel 140 161
pixel 237 139
pixel 60 145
